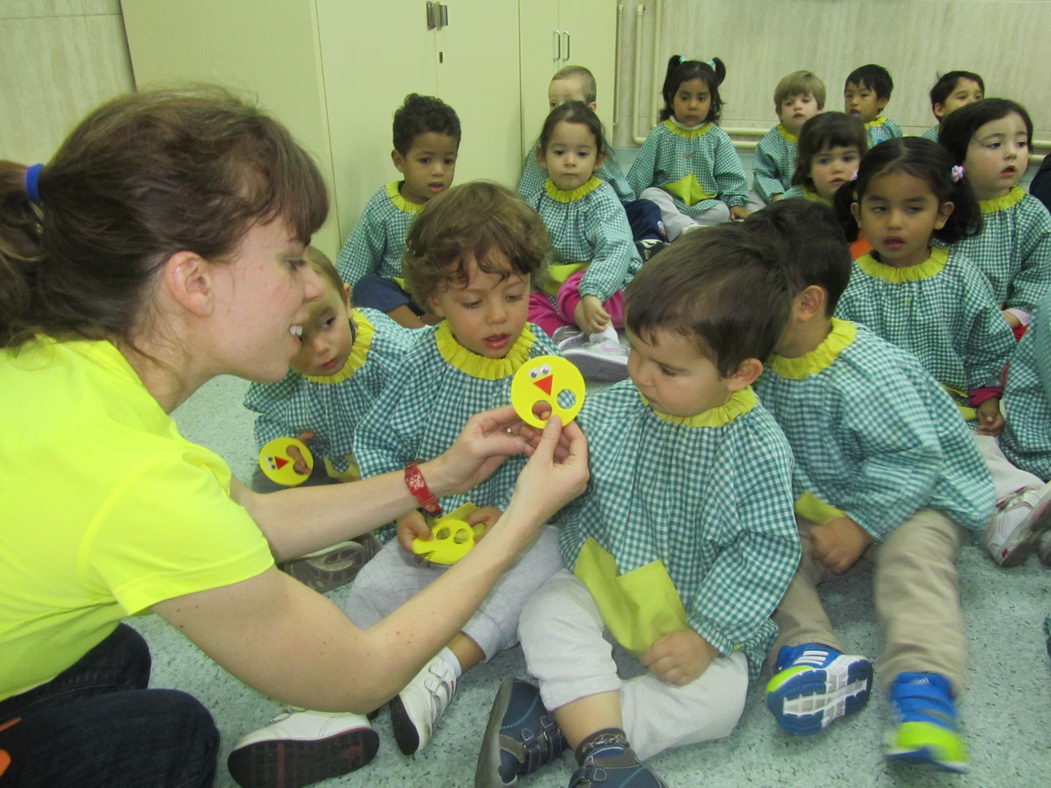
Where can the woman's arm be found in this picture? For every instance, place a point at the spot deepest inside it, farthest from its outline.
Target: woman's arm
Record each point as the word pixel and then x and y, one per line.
pixel 293 644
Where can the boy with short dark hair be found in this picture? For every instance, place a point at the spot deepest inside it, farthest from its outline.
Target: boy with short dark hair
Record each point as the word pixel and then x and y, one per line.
pixel 884 465
pixel 865 93
pixel 426 134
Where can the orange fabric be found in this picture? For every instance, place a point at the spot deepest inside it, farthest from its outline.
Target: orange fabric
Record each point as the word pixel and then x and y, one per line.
pixel 860 247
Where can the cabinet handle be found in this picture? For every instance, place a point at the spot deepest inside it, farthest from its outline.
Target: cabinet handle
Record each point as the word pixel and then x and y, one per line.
pixel 566 36
pixel 432 16
pixel 443 15
pixel 556 45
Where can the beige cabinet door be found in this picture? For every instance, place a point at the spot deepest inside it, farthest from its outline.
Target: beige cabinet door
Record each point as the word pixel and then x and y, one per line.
pixel 478 75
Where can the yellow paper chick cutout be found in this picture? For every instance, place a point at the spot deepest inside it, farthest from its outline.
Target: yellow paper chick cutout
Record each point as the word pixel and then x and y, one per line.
pixel 279 467
pixel 542 379
pixel 451 537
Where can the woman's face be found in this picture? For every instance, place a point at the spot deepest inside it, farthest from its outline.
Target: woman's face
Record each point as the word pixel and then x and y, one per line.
pixel 262 299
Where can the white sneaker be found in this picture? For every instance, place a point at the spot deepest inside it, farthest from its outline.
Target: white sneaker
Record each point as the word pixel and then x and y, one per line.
pixel 1018 524
pixel 568 336
pixel 603 361
pixel 417 708
pixel 301 747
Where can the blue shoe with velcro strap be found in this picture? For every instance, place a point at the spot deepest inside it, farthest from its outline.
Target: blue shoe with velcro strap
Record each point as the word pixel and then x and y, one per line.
pixel 927 729
pixel 815 685
pixel 520 737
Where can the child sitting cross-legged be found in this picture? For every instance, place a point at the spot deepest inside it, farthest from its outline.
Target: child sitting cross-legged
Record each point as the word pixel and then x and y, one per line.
pixel 684 543
pixel 884 466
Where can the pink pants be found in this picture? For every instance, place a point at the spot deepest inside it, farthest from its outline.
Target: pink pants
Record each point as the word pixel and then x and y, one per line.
pixel 552 316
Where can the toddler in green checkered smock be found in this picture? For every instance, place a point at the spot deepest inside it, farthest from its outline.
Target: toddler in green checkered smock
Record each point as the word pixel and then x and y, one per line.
pixel 798 97
pixel 684 542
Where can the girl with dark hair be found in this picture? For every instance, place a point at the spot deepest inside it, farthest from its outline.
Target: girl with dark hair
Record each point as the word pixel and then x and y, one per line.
pixel 688 165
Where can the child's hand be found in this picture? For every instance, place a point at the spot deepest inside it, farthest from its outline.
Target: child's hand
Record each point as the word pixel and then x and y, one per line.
pixel 488 515
pixel 409 527
pixel 739 213
pixel 990 420
pixel 298 461
pixel 679 657
pixel 839 543
pixel 590 316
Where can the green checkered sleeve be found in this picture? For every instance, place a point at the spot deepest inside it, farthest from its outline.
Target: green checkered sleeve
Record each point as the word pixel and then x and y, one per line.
pixel 882 132
pixel 949 320
pixel 1026 438
pixel 727 170
pixel 377 242
pixel 728 540
pixel 876 437
pixel 533 176
pixel 614 258
pixel 931 134
pixel 643 171
pixel 611 173
pixel 794 193
pixel 774 164
pixel 421 411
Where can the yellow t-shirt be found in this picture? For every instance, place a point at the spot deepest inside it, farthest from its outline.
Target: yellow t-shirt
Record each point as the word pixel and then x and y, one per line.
pixel 107 509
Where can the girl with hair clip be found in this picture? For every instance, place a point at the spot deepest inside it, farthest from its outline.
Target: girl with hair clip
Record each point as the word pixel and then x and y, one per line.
pixel 163 245
pixel 688 165
pixel 991 140
pixel 595 257
pixel 930 299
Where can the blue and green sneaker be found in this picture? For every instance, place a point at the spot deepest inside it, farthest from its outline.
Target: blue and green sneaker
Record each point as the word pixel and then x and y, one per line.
pixel 815 685
pixel 927 729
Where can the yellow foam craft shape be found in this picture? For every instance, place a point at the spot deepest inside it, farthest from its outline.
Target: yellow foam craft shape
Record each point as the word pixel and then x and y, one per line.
pixel 279 467
pixel 451 537
pixel 639 606
pixel 542 379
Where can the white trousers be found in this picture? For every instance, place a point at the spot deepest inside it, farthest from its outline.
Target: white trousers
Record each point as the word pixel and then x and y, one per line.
pixel 675 222
pixel 1007 478
pixel 561 631
pixel 394 576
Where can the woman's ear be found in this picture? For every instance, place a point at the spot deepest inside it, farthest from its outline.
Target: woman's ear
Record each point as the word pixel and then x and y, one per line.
pixel 188 280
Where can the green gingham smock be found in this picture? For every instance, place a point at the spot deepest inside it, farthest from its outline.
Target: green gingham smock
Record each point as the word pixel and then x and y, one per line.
pixel 438 385
pixel 377 242
pixel 332 406
pixel 874 435
pixel 931 133
pixel 710 496
pixel 1026 438
pixel 697 167
pixel 942 310
pixel 1014 249
pixel 588 224
pixel 880 130
pixel 775 162
pixel 533 177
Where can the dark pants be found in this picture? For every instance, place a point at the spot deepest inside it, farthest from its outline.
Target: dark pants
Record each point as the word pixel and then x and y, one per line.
pixel 96 724
pixel 645 220
pixel 375 292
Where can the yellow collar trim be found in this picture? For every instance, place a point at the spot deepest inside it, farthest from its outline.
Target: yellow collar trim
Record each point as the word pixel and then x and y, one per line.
pixel 479 366
pixel 932 266
pixel 400 202
pixel 879 120
pixel 686 133
pixel 583 190
pixel 364 332
pixel 813 196
pixel 1009 200
pixel 822 357
pixel 787 134
pixel 740 402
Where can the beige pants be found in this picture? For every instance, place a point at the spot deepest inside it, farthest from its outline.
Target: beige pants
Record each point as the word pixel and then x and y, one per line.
pixel 917 600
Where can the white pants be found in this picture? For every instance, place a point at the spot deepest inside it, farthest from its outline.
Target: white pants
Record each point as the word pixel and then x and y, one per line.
pixel 562 637
pixel 1007 478
pixel 675 222
pixel 394 576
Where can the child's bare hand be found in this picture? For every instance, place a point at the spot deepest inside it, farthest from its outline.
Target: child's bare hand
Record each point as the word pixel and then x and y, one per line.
pixel 590 316
pixel 487 515
pixel 299 462
pixel 990 420
pixel 839 543
pixel 679 657
pixel 739 213
pixel 409 527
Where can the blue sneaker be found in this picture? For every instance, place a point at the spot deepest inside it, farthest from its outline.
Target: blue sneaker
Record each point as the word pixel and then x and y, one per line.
pixel 926 726
pixel 613 764
pixel 520 737
pixel 815 685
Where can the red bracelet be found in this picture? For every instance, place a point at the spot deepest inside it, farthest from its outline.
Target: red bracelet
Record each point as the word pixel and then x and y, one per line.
pixel 421 492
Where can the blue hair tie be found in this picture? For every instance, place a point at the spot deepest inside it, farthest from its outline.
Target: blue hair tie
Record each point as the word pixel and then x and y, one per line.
pixel 710 63
pixel 33 182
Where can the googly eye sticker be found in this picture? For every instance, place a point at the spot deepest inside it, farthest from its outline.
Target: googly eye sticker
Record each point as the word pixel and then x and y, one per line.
pixel 547 382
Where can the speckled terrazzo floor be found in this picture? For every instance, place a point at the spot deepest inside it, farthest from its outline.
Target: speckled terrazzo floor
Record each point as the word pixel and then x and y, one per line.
pixel 1007 711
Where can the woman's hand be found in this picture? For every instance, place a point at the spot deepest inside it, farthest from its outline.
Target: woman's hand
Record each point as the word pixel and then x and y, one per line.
pixel 556 473
pixel 485 442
